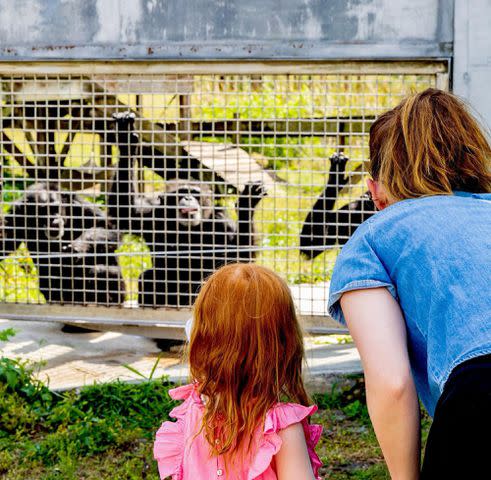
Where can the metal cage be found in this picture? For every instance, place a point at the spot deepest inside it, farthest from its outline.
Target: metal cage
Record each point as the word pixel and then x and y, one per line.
pixel 125 184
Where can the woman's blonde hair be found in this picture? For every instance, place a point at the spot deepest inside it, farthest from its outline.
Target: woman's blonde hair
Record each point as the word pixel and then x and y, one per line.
pixel 429 145
pixel 246 353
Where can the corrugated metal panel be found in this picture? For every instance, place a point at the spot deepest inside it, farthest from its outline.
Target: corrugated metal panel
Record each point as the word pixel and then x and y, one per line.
pixel 198 29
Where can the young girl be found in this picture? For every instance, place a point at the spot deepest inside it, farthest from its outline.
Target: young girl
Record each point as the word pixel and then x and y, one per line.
pixel 413 285
pixel 245 354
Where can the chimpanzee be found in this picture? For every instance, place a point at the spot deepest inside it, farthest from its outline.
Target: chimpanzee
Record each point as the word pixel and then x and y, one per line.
pixel 63 232
pixel 189 235
pixel 324 226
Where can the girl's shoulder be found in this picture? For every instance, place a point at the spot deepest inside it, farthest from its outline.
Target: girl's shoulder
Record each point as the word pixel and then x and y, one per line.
pixel 185 392
pixel 190 398
pixel 279 417
pixel 282 415
pixel 171 437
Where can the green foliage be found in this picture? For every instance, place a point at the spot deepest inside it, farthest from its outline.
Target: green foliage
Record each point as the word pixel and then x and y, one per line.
pixel 24 400
pixel 138 404
pixel 7 334
pixel 14 182
pixel 356 409
pixel 300 96
pixel 16 415
pixel 74 424
pixel 19 279
pixel 329 400
pixel 11 191
pixel 349 397
pixel 133 258
pixel 373 472
pixel 18 377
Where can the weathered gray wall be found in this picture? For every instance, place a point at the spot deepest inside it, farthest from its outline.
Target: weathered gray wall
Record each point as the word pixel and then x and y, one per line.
pixel 472 60
pixel 257 29
pixel 197 29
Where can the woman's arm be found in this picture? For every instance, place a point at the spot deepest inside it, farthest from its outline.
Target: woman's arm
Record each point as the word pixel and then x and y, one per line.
pixel 377 326
pixel 292 462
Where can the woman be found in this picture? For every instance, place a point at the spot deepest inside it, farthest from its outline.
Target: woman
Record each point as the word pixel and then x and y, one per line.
pixel 413 285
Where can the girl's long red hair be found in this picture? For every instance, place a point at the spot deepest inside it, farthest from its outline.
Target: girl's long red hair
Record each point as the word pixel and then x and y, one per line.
pixel 246 353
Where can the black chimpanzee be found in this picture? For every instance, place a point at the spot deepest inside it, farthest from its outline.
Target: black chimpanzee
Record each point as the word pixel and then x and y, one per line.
pixel 70 244
pixel 324 226
pixel 188 234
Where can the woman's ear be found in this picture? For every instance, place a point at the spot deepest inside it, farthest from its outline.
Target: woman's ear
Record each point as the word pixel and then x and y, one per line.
pixel 378 194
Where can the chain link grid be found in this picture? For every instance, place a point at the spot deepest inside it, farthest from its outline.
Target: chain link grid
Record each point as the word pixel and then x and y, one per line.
pixel 208 169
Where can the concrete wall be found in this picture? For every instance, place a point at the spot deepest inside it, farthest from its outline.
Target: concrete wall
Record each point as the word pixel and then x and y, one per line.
pixel 197 29
pixel 472 55
pixel 257 29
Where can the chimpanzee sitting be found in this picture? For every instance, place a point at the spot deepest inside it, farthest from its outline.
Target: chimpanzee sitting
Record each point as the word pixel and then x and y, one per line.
pixel 63 233
pixel 188 234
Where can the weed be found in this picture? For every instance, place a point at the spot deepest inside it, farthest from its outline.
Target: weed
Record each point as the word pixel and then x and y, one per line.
pixel 55 431
pixel 7 334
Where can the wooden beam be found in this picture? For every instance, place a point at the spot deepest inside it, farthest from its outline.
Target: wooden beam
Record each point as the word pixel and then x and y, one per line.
pixel 221 67
pixel 303 127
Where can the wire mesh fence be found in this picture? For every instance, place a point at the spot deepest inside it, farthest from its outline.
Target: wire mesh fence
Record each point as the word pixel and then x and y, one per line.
pixel 129 189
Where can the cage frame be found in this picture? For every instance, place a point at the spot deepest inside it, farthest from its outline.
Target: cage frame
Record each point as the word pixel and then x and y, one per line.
pixel 169 322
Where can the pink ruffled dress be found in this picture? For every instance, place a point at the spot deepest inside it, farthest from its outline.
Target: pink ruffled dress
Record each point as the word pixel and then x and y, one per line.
pixel 182 455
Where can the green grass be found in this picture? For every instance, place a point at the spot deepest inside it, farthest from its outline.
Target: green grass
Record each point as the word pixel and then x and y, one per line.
pixel 44 435
pixel 106 431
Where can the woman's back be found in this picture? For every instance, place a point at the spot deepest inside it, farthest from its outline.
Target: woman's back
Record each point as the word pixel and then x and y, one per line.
pixel 428 251
pixel 183 453
pixel 433 255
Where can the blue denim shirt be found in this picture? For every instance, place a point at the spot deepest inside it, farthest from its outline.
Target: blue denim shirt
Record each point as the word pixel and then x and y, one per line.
pixel 434 256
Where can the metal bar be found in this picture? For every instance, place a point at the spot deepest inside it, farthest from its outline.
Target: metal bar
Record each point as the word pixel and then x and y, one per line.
pixel 267 127
pixel 299 67
pixel 185 117
pixel 158 323
pixel 276 127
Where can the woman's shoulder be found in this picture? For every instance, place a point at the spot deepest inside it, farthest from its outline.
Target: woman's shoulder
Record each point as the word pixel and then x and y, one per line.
pixel 421 205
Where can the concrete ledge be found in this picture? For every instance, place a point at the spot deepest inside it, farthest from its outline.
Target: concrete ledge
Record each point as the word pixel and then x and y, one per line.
pixel 69 361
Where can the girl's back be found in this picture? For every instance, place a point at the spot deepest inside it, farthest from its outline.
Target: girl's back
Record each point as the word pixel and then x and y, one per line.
pixel 246 415
pixel 183 453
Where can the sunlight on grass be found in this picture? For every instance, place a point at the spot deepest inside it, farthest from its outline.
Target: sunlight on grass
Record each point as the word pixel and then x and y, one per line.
pixel 133 258
pixel 19 279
